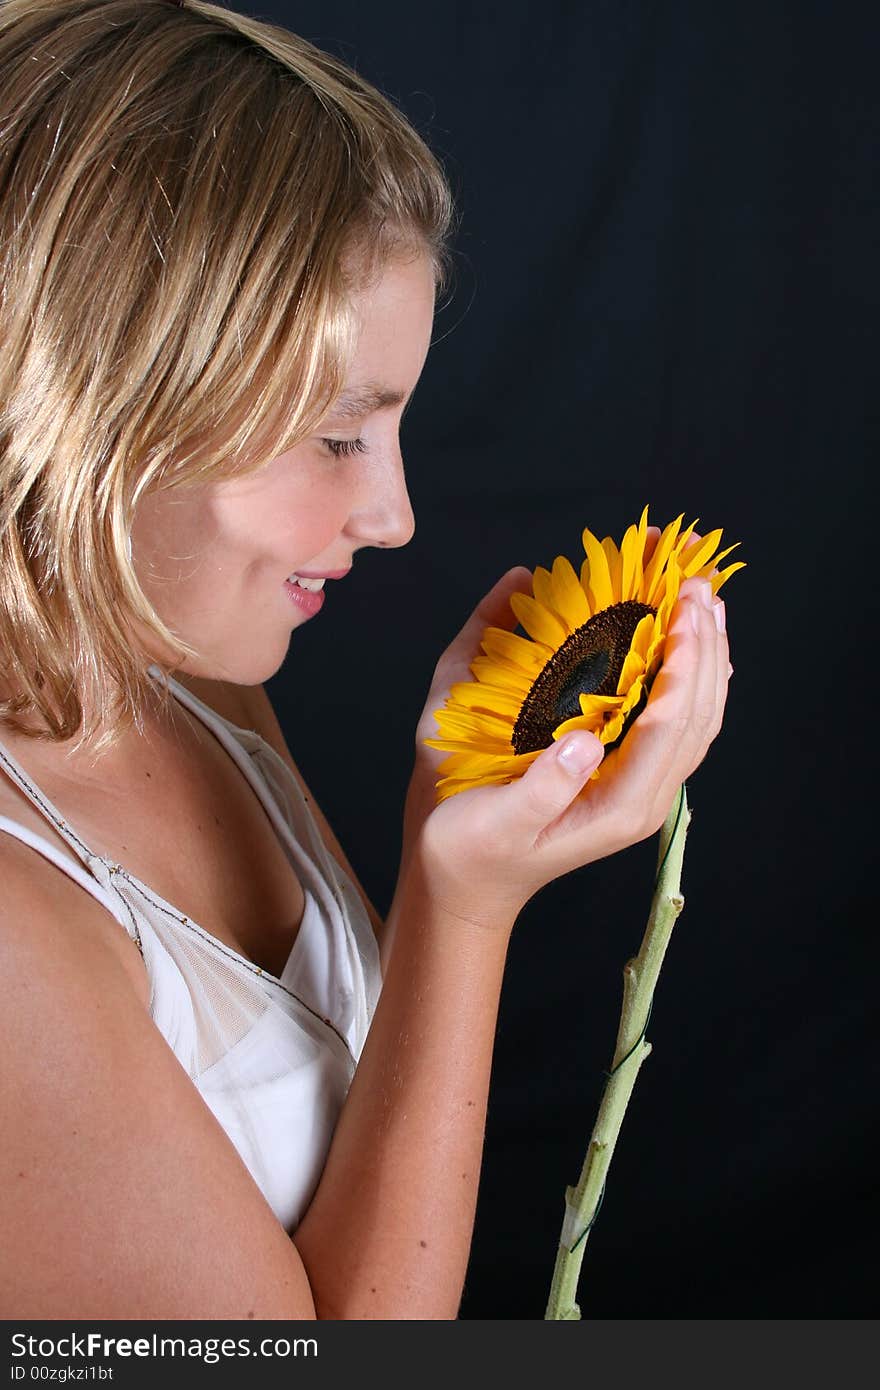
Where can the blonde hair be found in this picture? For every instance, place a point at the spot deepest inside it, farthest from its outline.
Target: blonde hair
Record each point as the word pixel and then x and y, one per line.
pixel 188 199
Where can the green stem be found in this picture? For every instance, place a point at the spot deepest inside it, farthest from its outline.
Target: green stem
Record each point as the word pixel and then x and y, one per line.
pixel 639 980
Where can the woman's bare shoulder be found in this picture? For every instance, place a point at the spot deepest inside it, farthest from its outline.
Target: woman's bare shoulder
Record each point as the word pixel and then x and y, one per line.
pixel 43 910
pixel 114 1166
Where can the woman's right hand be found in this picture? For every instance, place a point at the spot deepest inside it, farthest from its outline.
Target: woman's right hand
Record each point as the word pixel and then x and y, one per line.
pixel 483 853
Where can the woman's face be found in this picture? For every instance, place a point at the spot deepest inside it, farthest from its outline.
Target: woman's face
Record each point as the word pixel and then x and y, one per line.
pixel 214 559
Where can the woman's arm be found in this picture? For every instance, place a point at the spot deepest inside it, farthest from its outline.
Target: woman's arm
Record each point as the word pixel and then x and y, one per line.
pixel 397 1198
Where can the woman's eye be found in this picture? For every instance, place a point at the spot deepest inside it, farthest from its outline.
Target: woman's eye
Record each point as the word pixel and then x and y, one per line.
pixel 340 447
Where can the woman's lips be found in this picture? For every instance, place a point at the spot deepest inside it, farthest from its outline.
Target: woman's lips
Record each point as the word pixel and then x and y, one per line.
pixel 307 602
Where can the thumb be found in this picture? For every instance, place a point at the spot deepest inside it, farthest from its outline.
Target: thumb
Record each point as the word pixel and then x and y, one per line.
pixel 552 782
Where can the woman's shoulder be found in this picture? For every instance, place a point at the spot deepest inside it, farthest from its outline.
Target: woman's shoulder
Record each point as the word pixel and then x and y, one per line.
pixel 99 1214
pixel 47 918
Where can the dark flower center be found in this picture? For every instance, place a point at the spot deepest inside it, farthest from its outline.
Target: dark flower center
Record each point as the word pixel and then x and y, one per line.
pixel 589 662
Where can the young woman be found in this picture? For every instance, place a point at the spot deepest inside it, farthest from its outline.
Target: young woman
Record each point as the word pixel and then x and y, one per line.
pixel 229 1090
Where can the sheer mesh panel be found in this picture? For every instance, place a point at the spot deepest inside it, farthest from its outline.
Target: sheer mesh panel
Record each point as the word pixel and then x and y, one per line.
pixel 272 1071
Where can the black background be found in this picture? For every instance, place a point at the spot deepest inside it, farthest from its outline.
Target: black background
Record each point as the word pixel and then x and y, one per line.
pixel 666 293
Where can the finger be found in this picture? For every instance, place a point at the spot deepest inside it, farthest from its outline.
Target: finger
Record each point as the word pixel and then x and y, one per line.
pixel 708 692
pixel 724 668
pixel 705 715
pixel 714 691
pixel 526 807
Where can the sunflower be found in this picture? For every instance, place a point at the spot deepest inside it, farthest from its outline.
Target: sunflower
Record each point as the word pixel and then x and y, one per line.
pixel 595 643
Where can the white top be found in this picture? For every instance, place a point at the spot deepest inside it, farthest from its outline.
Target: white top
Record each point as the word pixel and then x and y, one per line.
pixel 273 1058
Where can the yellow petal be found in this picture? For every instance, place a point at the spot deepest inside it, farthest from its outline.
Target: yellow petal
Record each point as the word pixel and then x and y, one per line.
pixel 457 745
pixel 595 574
pixel 644 634
pixel 706 571
pixel 613 727
pixel 450 786
pixel 479 695
pixel 591 722
pixel 636 661
pixel 498 642
pixel 655 651
pixel 682 544
pixel 538 621
pixel 633 667
pixel 633 695
pixel 643 541
pixel 542 586
pixel 612 555
pixel 699 553
pixel 668 596
pixel 502 674
pixel 598 704
pixel 725 574
pixel 457 723
pixel 653 580
pixel 632 552
pixel 466 764
pixel 453 730
pixel 569 598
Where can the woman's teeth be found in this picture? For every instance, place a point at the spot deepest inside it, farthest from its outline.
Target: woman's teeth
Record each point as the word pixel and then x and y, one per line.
pixel 313 585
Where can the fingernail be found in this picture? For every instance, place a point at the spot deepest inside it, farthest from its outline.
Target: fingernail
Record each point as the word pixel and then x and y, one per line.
pixel 707 598
pixel 719 615
pixel 729 670
pixel 695 617
pixel 576 755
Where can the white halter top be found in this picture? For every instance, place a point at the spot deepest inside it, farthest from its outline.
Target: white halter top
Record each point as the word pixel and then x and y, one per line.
pixel 273 1058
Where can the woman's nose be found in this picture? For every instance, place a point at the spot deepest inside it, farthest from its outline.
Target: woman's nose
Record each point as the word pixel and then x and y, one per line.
pixel 386 517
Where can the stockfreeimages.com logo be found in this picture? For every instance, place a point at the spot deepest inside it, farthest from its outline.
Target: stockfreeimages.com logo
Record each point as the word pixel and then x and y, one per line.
pixel 207 1349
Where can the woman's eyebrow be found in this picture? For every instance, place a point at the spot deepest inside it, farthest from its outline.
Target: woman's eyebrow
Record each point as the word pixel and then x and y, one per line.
pixel 361 400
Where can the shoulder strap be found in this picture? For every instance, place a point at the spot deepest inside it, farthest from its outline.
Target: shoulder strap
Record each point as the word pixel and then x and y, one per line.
pixel 90 881
pixel 92 871
pixel 17 774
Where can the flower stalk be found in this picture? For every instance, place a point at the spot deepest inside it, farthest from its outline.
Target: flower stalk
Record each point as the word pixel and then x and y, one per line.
pixel 640 974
